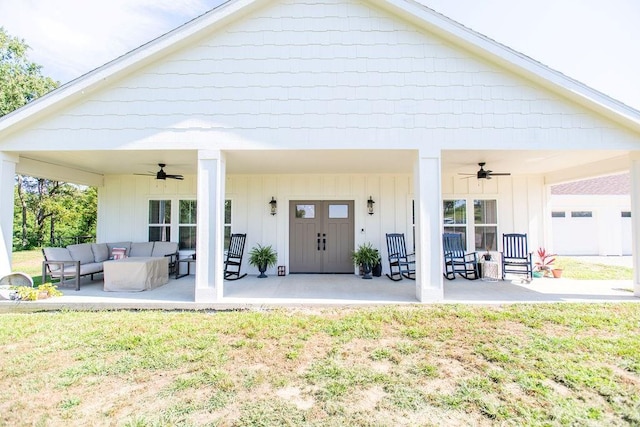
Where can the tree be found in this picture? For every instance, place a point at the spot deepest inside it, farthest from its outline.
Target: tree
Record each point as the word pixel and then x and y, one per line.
pixel 52 212
pixel 45 210
pixel 21 80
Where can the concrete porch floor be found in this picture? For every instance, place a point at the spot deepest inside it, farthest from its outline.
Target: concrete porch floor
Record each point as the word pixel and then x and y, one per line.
pixel 328 290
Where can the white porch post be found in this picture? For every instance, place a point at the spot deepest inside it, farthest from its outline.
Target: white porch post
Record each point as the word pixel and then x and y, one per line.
pixel 210 241
pixel 7 182
pixel 635 219
pixel 428 206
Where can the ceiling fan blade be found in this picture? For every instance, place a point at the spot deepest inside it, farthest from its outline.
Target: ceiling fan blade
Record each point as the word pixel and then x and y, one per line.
pixel 180 177
pixel 500 174
pixel 467 174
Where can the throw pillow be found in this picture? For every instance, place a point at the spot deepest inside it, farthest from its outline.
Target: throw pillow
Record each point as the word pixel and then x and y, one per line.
pixel 118 253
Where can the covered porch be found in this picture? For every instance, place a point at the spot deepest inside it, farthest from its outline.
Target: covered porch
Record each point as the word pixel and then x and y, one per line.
pixel 407 185
pixel 328 290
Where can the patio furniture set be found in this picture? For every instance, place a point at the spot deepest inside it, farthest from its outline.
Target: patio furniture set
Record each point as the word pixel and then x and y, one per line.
pixel 138 266
pixel 126 266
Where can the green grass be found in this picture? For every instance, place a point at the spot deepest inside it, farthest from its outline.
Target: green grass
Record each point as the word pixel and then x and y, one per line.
pixel 536 365
pixel 580 270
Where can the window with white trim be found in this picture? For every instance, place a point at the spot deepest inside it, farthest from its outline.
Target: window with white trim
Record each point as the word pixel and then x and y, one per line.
pixel 159 220
pixel 168 224
pixel 485 218
pixel 477 218
pixel 454 214
pixel 187 224
pixel 227 223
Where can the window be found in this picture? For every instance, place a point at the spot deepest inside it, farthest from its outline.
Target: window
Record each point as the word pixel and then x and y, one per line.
pixel 485 215
pixel 338 211
pixel 187 224
pixel 159 220
pixel 581 214
pixel 625 214
pixel 227 223
pixel 455 217
pixel 165 225
pixel 558 214
pixel 306 211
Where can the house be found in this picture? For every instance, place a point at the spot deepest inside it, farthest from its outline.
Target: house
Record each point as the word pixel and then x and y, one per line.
pixel 592 216
pixel 320 106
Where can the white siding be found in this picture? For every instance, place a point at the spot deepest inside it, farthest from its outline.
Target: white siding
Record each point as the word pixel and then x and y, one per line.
pixel 520 203
pixel 123 205
pixel 323 74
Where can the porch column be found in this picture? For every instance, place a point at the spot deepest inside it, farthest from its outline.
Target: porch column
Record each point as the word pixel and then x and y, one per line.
pixel 635 219
pixel 428 211
pixel 7 182
pixel 210 234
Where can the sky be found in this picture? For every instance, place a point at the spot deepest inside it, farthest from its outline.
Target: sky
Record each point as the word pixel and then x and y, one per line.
pixel 593 41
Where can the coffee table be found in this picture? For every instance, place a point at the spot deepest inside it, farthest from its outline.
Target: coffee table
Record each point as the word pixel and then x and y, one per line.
pixel 135 274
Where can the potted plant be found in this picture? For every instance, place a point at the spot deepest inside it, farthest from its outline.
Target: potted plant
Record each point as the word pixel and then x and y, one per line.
pixel 487 254
pixel 544 262
pixel 263 257
pixel 366 256
pixel 377 267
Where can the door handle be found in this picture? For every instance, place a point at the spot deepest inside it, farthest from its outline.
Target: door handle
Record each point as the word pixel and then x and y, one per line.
pixel 324 242
pixel 318 241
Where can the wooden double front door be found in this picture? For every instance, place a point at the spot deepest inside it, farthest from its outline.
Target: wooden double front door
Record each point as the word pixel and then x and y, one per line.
pixel 321 236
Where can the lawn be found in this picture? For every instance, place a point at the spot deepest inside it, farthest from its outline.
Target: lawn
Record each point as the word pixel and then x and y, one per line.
pixel 544 364
pixel 555 364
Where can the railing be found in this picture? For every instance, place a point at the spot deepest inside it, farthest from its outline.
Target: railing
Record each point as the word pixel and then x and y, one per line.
pixel 63 241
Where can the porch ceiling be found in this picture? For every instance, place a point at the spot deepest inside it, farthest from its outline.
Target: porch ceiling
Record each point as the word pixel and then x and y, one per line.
pixel 520 162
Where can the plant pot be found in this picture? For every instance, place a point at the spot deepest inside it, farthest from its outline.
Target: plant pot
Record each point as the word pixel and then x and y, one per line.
pixel 262 269
pixel 538 274
pixel 377 270
pixel 557 273
pixel 366 269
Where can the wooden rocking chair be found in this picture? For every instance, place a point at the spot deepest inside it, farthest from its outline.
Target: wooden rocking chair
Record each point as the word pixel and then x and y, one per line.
pixel 401 264
pixel 516 258
pixel 456 260
pixel 233 261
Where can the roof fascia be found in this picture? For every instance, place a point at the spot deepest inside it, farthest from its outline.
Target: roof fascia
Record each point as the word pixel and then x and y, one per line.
pixel 512 60
pixel 125 64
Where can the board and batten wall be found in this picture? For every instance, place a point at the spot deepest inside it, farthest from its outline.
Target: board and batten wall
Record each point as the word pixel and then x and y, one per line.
pixel 521 202
pixel 123 204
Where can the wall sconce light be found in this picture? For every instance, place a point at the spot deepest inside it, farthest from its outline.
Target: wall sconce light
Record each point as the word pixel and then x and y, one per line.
pixel 370 203
pixel 274 206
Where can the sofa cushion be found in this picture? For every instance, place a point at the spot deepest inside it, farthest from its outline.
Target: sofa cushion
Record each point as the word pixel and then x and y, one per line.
pixel 141 249
pixel 164 248
pixel 100 252
pixel 56 254
pixel 81 252
pixel 91 268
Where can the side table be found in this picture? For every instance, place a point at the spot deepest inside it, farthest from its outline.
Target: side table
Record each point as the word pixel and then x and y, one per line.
pixel 490 271
pixel 188 261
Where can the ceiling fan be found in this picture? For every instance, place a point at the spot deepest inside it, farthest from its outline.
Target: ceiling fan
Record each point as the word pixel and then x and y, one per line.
pixel 161 174
pixel 484 174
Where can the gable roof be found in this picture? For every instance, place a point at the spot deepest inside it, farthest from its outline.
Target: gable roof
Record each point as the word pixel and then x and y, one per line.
pixel 409 10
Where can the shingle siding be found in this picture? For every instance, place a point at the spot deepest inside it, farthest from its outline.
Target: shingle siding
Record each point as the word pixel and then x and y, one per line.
pixel 335 71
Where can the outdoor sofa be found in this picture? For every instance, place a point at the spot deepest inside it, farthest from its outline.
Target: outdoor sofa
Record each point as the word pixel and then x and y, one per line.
pixel 86 259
